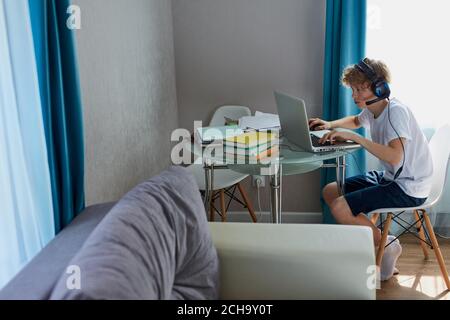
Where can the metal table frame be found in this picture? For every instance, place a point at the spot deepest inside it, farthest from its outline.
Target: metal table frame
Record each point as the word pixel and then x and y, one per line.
pixel 275 182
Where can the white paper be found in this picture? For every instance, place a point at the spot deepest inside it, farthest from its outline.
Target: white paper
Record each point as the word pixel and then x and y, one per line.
pixel 260 121
pixel 218 133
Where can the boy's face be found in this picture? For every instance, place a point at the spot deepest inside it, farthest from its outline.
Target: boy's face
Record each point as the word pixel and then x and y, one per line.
pixel 362 93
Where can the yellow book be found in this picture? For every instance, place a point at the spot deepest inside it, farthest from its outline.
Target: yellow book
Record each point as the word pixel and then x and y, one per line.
pixel 251 139
pixel 272 152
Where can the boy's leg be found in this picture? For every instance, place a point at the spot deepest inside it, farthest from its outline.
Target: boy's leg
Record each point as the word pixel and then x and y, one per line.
pixel 343 215
pixel 330 193
pixel 336 202
pixel 360 189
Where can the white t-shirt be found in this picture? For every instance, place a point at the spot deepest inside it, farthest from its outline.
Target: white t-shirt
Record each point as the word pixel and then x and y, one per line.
pixel 415 179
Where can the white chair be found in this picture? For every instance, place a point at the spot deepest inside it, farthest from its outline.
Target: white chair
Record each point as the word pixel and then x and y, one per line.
pixel 440 151
pixel 225 180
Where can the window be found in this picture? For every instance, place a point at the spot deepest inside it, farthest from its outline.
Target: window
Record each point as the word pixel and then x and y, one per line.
pixel 411 36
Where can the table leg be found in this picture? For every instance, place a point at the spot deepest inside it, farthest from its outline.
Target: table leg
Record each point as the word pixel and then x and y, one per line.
pixel 275 193
pixel 209 185
pixel 340 174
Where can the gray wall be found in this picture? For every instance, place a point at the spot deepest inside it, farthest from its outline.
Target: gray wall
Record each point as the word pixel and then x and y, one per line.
pixel 238 52
pixel 126 61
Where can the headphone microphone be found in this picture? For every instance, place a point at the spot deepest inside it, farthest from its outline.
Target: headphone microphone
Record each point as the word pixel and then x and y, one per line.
pixel 368 103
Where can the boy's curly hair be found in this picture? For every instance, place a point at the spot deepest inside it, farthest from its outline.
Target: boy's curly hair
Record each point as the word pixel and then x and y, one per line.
pixel 352 76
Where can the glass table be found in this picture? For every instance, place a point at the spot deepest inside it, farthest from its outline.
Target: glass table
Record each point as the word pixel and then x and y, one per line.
pixel 291 160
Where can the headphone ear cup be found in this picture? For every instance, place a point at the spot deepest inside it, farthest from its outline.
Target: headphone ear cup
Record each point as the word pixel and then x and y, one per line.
pixel 375 89
pixel 381 89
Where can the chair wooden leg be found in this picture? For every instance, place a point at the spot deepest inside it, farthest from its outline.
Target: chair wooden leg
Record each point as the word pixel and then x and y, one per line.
pixel 374 217
pixel 436 249
pixel 222 205
pixel 383 241
pixel 419 226
pixel 211 208
pixel 247 202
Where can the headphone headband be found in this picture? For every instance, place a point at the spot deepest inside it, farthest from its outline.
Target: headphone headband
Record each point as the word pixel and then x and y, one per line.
pixel 367 70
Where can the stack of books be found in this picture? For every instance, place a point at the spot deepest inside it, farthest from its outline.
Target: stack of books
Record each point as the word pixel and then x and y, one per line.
pixel 252 146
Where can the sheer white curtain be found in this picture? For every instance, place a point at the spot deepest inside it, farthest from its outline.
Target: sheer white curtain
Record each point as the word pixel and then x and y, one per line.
pixel 411 37
pixel 26 213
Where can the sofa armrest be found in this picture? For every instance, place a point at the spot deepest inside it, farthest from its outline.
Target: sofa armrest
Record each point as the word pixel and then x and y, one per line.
pixel 294 261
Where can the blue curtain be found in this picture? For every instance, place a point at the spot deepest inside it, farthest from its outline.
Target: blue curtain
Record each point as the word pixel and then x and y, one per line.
pixel 344 45
pixel 61 106
pixel 26 213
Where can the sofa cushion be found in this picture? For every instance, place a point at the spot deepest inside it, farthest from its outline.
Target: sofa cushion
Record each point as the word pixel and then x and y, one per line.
pixel 37 279
pixel 295 261
pixel 154 244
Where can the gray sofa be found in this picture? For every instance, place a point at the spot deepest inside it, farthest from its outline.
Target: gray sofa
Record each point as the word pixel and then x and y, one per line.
pixel 153 244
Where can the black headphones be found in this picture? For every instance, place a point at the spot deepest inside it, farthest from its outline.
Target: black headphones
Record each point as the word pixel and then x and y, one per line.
pixel 379 86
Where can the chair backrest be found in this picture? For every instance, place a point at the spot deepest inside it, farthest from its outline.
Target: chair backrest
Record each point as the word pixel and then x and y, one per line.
pixel 440 151
pixel 233 112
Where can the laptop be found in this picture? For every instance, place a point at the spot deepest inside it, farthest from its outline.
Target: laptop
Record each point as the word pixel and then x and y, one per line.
pixel 295 127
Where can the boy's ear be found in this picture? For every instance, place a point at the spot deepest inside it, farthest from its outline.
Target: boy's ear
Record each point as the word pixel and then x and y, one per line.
pixel 367 85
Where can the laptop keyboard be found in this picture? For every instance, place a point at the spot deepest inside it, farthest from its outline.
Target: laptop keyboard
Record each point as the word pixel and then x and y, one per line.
pixel 315 142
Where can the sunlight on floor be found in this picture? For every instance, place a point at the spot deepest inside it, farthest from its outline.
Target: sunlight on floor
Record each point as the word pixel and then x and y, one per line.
pixel 429 287
pixel 419 279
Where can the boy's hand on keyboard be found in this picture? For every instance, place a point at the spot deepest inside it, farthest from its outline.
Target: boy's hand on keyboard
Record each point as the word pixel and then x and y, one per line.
pixel 334 136
pixel 316 124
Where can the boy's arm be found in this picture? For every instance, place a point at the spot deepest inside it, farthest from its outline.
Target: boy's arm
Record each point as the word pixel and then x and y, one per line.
pixel 350 122
pixel 392 153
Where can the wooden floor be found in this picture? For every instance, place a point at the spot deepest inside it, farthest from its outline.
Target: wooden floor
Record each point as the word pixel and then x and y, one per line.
pixel 418 279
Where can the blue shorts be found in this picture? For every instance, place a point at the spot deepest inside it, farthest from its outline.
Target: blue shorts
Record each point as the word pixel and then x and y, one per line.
pixel 365 193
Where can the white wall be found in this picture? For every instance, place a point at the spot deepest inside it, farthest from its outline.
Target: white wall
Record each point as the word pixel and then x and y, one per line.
pixel 239 52
pixel 126 62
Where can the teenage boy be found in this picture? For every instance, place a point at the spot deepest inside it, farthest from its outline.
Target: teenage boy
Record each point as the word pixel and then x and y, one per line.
pixel 397 142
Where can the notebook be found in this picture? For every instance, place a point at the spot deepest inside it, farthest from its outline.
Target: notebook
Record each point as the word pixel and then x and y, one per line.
pixel 251 139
